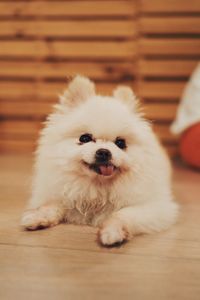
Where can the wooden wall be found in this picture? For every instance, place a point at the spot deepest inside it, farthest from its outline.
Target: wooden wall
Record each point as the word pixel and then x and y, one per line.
pixel 151 45
pixel 169 50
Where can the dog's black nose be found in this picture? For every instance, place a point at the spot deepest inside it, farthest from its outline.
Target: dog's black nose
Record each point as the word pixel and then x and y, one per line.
pixel 103 155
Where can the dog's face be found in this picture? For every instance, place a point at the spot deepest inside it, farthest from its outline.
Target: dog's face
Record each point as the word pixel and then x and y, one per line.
pixel 102 137
pixel 99 135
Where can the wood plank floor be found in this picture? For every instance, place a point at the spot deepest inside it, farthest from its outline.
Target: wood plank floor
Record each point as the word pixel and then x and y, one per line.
pixel 65 262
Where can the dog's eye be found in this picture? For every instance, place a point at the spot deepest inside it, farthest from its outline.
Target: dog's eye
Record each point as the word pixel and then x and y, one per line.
pixel 85 138
pixel 121 143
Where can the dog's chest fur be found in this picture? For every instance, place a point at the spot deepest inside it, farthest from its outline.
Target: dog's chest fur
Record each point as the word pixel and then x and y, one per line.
pixel 87 203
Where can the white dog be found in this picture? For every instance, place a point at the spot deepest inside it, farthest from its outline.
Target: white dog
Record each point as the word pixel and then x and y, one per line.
pixel 99 163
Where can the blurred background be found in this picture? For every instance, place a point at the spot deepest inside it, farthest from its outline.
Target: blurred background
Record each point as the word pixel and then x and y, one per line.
pixel 150 45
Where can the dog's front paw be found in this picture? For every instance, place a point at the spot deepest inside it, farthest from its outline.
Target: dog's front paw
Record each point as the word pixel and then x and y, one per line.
pixel 111 234
pixel 42 217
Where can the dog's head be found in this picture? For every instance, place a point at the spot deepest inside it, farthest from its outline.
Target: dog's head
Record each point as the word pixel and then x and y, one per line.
pixel 96 136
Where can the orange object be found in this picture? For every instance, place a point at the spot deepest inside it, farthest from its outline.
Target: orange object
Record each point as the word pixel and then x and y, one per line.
pixel 190 145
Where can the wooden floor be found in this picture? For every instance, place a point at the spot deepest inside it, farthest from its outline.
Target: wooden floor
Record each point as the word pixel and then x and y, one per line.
pixel 65 262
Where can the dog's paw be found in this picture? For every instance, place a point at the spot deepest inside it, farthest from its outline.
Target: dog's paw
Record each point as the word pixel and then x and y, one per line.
pixel 42 217
pixel 112 234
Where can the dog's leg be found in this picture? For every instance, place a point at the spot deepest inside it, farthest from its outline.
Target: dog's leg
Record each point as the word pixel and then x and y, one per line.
pixel 129 221
pixel 47 215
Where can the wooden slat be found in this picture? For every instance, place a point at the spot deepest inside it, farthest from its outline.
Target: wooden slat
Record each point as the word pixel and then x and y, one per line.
pixel 18 90
pixel 161 90
pixel 153 111
pixel 19 108
pixel 30 92
pixel 170 25
pixel 164 133
pixel 26 109
pixel 166 68
pixel 65 49
pixel 21 129
pixel 163 112
pixel 17 146
pixel 51 90
pixel 25 91
pixel 170 6
pixel 68 8
pixel 26 99
pixel 67 29
pixel 172 150
pixel 170 47
pixel 100 71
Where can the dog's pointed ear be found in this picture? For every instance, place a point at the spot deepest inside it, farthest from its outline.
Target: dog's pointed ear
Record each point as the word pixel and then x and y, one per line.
pixel 127 96
pixel 79 90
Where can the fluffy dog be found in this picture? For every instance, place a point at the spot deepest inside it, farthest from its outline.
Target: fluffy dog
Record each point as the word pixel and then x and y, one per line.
pixel 99 163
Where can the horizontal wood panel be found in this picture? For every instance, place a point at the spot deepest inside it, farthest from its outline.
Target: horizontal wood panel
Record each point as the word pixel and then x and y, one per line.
pixel 172 150
pixel 166 68
pixel 11 145
pixel 20 90
pixel 170 47
pixel 70 49
pixel 67 8
pixel 170 6
pixel 21 129
pixel 100 71
pixel 40 109
pixel 164 133
pixel 161 90
pixel 21 108
pixel 26 91
pixel 68 29
pixel 26 109
pixel 170 25
pixel 164 112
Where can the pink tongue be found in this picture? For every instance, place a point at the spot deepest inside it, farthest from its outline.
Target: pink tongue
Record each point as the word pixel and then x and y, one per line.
pixel 106 170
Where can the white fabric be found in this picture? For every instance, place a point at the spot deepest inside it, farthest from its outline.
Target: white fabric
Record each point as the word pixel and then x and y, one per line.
pixel 189 109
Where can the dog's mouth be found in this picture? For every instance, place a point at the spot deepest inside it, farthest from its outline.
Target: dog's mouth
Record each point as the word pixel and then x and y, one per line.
pixel 106 169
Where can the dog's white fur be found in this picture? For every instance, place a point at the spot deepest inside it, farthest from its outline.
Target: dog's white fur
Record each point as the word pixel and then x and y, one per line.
pixel 137 198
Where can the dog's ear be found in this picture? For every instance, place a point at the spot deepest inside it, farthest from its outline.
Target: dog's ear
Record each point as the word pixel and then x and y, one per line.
pixel 79 90
pixel 127 96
